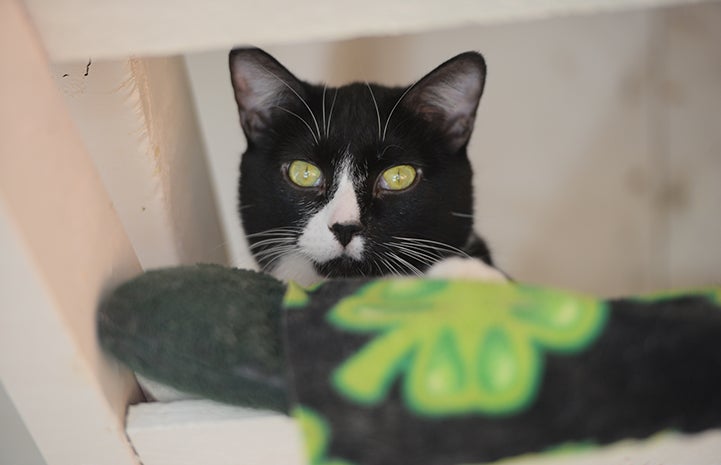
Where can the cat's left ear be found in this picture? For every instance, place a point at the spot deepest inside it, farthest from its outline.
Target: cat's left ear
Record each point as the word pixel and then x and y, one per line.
pixel 448 96
pixel 263 87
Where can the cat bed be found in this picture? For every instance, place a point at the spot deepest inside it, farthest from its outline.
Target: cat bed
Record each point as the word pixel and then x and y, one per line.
pixel 428 372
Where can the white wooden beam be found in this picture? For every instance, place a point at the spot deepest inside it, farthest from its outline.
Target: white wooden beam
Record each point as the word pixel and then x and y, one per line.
pixel 61 245
pixel 137 120
pixel 79 29
pixel 191 432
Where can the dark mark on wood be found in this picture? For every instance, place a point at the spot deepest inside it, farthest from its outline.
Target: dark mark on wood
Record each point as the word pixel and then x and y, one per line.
pixel 66 75
pixel 87 67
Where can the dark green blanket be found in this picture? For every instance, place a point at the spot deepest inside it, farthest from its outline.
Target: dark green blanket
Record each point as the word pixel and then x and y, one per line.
pixel 424 372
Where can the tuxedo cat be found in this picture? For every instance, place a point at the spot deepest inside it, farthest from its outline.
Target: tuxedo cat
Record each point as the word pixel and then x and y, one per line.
pixel 359 180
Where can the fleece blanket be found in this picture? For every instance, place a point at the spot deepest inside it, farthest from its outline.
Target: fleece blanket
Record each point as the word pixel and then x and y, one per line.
pixel 427 372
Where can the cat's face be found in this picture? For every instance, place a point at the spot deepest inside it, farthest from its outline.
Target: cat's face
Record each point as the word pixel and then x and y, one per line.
pixel 360 180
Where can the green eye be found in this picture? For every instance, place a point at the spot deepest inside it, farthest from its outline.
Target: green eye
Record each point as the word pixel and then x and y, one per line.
pixel 304 174
pixel 398 178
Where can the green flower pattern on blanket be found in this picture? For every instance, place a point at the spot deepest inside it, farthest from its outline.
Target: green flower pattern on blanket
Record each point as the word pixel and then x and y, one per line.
pixel 460 347
pixel 317 435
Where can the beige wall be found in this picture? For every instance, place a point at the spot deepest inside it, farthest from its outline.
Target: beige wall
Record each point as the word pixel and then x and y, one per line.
pixel 596 151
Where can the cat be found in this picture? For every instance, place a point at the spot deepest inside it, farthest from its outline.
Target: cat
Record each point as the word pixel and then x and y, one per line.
pixel 361 180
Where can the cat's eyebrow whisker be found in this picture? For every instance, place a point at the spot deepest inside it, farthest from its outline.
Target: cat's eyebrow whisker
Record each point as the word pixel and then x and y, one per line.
pixel 325 87
pixel 304 121
pixel 462 215
pixel 330 113
pixel 400 99
pixel 375 104
pixel 299 98
pixel 389 147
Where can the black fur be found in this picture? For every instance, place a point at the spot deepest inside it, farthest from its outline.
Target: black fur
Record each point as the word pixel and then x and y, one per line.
pixel 420 132
pixel 655 367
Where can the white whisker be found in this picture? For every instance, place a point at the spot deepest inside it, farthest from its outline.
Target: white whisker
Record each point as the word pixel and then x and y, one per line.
pixel 375 103
pixel 385 129
pixel 325 87
pixel 304 121
pixel 330 113
pixel 408 265
pixel 424 256
pixel 388 147
pixel 431 244
pixel 299 98
pixel 282 229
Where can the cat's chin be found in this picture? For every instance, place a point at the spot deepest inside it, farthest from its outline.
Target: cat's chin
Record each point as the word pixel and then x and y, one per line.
pixel 344 267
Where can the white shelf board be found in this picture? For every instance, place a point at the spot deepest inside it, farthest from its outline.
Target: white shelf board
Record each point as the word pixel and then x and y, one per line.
pixel 190 432
pixel 79 29
pixel 200 431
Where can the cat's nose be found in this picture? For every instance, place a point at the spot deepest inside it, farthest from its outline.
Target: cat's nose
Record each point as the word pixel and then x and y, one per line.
pixel 344 232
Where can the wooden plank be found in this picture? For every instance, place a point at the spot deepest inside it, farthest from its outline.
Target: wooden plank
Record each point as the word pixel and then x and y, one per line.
pixel 78 29
pixel 190 432
pixel 137 121
pixel 688 129
pixel 200 431
pixel 62 246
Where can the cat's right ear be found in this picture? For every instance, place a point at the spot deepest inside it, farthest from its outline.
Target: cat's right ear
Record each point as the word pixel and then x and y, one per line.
pixel 262 86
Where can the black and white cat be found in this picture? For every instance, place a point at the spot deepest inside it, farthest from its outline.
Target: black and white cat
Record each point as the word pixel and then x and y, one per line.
pixel 359 180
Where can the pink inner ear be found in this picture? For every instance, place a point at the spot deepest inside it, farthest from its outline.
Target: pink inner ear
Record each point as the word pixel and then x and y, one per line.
pixel 257 89
pixel 448 97
pixel 456 95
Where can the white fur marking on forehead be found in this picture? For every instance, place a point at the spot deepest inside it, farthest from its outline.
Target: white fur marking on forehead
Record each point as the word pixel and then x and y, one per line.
pixel 343 207
pixel 317 240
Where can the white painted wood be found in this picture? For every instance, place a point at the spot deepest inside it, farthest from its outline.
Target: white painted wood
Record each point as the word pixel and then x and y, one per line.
pixel 664 449
pixel 689 146
pixel 200 431
pixel 62 246
pixel 16 444
pixel 137 121
pixel 192 432
pixel 78 29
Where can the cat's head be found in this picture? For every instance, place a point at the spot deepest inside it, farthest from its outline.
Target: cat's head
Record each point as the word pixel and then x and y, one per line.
pixel 359 180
